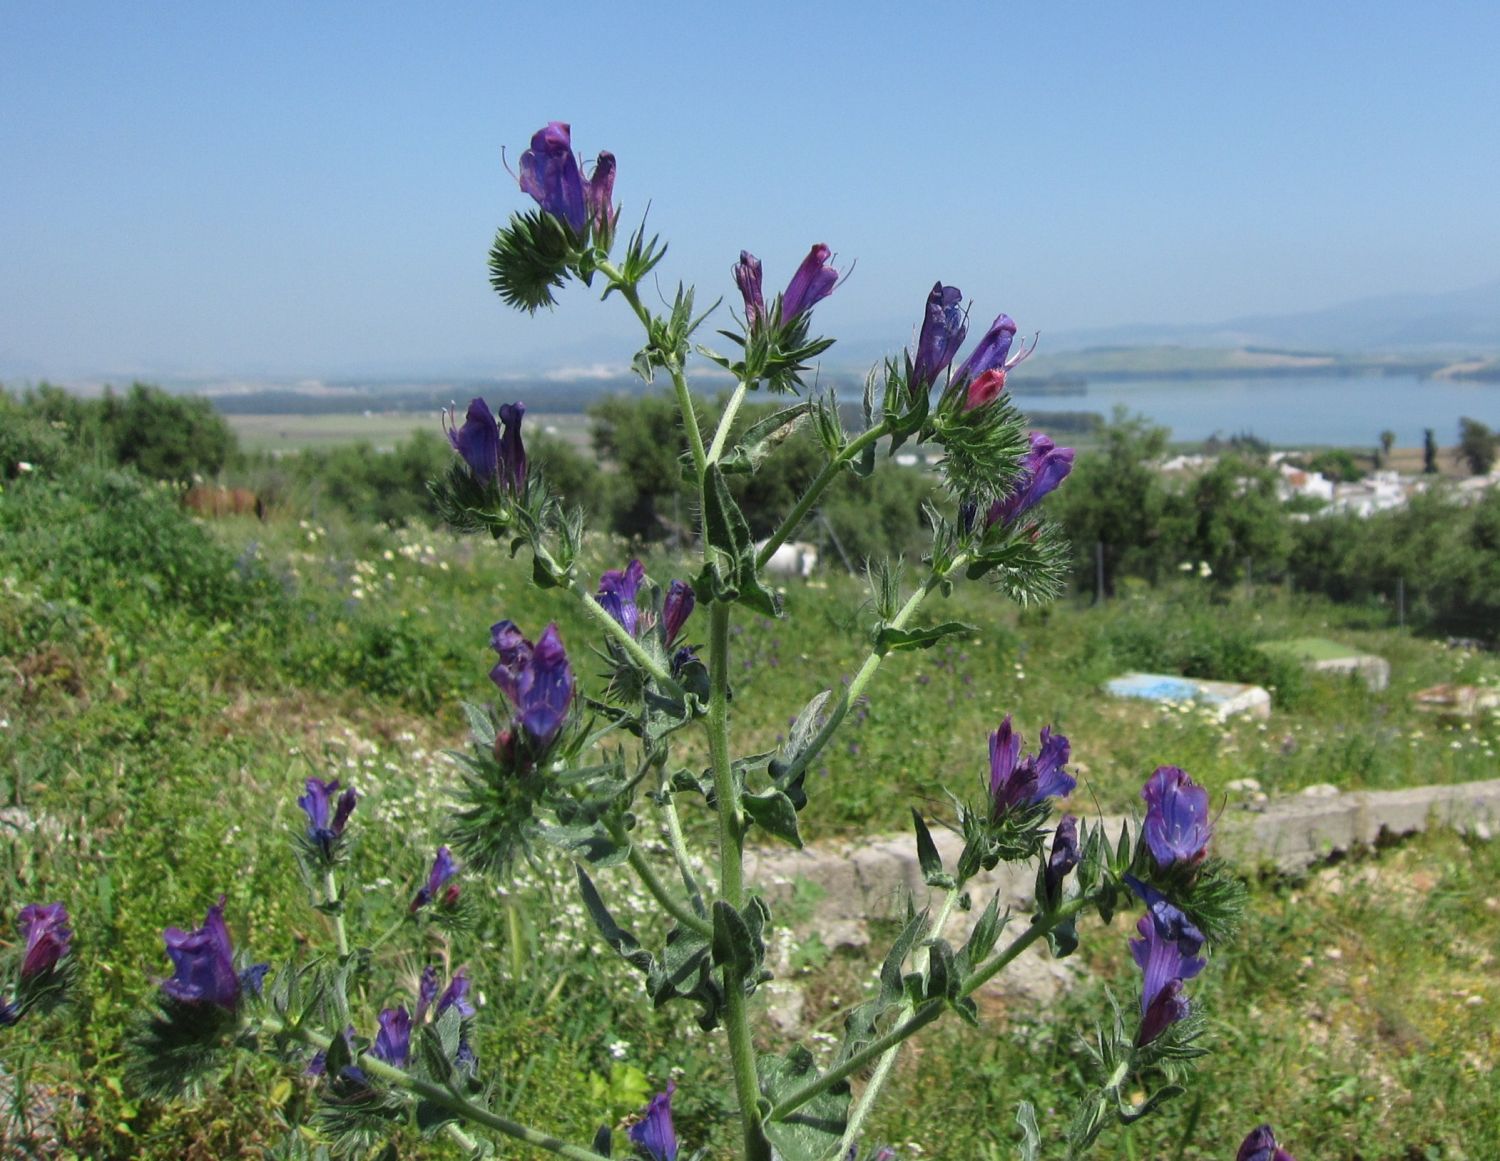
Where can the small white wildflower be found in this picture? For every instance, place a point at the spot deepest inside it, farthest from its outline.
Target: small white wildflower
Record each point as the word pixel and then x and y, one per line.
pixel 619 1048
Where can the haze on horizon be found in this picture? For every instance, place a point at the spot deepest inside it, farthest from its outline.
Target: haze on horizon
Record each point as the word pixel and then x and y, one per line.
pixel 279 190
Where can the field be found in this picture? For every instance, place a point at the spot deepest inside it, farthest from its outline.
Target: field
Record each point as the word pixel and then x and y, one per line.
pixel 171 684
pixel 382 430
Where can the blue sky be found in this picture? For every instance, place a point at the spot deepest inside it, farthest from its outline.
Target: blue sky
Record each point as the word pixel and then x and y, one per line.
pixel 294 189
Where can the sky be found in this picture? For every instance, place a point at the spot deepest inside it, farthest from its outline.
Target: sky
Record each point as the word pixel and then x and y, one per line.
pixel 310 190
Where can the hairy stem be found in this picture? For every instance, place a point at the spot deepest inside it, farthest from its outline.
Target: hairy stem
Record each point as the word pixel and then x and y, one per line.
pixel 438 1095
pixel 680 853
pixel 726 421
pixel 731 882
pixel 825 477
pixel 673 906
pixel 340 935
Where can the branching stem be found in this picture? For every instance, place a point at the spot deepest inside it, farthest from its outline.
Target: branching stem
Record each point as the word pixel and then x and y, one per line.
pixel 830 471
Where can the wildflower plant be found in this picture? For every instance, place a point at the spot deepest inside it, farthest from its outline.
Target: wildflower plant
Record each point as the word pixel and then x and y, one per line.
pixel 592 764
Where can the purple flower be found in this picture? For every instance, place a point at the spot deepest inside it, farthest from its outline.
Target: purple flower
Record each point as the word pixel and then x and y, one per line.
pixel 993 351
pixel 985 389
pixel 811 284
pixel 537 679
pixel 321 828
pixel 597 194
pixel 491 456
pixel 1047 465
pixel 1261 1145
pixel 617 590
pixel 203 963
pixel 1022 783
pixel 1177 826
pixel 456 995
pixel 1165 965
pixel 45 928
pixel 943 331
pixel 1063 859
pixel 654 1131
pixel 676 609
pixel 549 173
pixel 393 1041
pixel 1170 920
pixel 747 277
pixel 443 869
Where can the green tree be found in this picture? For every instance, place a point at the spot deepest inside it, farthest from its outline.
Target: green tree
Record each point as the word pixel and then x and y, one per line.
pixel 1476 446
pixel 1115 497
pixel 1429 452
pixel 1230 515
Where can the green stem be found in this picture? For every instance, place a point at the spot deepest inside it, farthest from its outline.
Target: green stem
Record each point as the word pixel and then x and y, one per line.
pixel 825 477
pixel 680 853
pixel 726 421
pixel 618 631
pixel 866 671
pixel 732 883
pixel 439 1095
pixel 330 888
pixel 926 1013
pixel 674 906
pixel 871 1093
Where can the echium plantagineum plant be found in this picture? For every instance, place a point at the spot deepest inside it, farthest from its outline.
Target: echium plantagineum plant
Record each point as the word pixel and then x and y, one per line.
pixel 590 766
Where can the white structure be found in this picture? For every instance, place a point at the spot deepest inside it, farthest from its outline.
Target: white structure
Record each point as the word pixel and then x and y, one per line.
pixel 1296 482
pixel 794 558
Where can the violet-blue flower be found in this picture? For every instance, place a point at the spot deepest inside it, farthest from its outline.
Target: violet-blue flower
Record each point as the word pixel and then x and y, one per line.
pixel 537 679
pixel 654 1131
pixel 676 608
pixel 943 329
pixel 811 284
pixel 597 193
pixel 443 869
pixel 1165 965
pixel 549 173
pixel 1064 858
pixel 747 276
pixel 993 351
pixel 393 1041
pixel 325 817
pixel 1261 1145
pixel 456 995
pixel 1170 920
pixel 617 591
pixel 490 455
pixel 1047 466
pixel 203 963
pixel 1016 783
pixel 44 927
pixel 1177 826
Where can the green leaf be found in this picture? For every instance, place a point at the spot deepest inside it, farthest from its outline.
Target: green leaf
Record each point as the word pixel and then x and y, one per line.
pixel 889 640
pixel 1031 1137
pixel 985 935
pixel 760 439
pixel 774 813
pixel 927 854
pixel 728 534
pixel 890 969
pixel 731 943
pixel 480 723
pixel 616 936
pixel 812 1132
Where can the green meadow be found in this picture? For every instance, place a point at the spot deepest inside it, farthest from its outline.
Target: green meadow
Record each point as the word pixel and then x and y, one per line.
pixel 170 683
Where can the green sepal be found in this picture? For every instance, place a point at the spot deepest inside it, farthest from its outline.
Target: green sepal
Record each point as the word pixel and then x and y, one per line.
pixel 481 724
pixel 813 1131
pixel 529 259
pixel 774 813
pixel 927 855
pixel 984 934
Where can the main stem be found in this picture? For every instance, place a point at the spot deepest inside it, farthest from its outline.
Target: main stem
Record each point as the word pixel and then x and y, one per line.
pixel 732 883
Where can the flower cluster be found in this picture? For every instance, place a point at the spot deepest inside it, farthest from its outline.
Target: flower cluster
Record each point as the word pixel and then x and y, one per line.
pixel 48 938
pixel 1029 781
pixel 494 458
pixel 550 173
pixel 1261 1145
pixel 813 281
pixel 203 965
pixel 1045 467
pixel 326 817
pixel 537 681
pixel 433 890
pixel 619 595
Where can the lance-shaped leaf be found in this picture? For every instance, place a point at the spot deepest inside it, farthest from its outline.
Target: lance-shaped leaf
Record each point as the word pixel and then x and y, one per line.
pixel 762 438
pixel 738 938
pixel 889 640
pixel 985 934
pixel 728 535
pixel 927 855
pixel 798 740
pixel 614 935
pixel 813 1131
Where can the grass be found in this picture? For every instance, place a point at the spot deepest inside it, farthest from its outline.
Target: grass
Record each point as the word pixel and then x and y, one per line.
pixel 169 685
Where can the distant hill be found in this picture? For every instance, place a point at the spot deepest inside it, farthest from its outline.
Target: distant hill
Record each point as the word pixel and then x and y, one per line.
pixel 1461 321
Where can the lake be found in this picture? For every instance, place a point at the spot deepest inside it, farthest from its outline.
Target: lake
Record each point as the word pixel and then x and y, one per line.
pixel 1296 409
